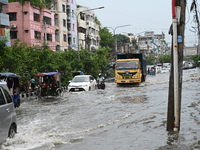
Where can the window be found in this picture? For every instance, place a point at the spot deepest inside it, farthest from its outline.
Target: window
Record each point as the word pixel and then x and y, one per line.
pixel 64 37
pixel 1 9
pixel 64 22
pixel 49 37
pixel 74 40
pixel 13 34
pixel 68 26
pixel 12 16
pixel 69 40
pixel 37 35
pixel 8 97
pixel 56 20
pixel 72 13
pixel 36 17
pixel 57 47
pixel 82 16
pixel 47 20
pixel 57 36
pixel 2 99
pixel 73 27
pixel 63 8
pixel 55 5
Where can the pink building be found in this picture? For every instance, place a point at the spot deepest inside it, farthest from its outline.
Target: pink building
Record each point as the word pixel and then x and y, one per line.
pixel 32 25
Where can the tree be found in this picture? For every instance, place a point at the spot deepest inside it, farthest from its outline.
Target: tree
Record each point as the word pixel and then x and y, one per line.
pixel 122 39
pixel 165 58
pixel 196 20
pixel 150 60
pixel 134 43
pixel 196 58
pixel 107 40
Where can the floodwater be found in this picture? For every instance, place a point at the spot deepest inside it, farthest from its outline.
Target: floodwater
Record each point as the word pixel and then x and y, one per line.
pixel 118 118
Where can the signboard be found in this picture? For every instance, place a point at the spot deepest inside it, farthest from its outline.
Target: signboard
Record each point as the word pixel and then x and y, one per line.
pixel 180 39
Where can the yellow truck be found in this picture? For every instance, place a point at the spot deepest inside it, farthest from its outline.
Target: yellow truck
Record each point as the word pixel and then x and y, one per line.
pixel 130 68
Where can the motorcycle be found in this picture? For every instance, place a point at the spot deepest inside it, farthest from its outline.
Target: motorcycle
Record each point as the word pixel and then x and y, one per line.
pixel 101 85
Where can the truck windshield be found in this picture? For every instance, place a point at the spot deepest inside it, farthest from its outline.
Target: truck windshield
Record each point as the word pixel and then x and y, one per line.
pixel 131 65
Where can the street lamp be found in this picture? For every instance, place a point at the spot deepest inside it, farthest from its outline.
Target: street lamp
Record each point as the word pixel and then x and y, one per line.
pixel 115 42
pixel 78 25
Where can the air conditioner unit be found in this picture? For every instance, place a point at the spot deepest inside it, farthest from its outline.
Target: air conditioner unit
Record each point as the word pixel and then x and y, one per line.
pixel 14 26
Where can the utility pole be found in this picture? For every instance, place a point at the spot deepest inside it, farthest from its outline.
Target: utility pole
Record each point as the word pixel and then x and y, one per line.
pixel 175 83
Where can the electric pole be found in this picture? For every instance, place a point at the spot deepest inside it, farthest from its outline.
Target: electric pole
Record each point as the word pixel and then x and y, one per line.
pixel 175 83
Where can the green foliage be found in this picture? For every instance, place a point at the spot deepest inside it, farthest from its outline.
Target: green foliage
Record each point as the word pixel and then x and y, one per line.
pixel 39 3
pixel 34 60
pixel 196 58
pixel 135 44
pixel 122 39
pixel 107 40
pixel 165 58
pixel 150 60
pixel 97 21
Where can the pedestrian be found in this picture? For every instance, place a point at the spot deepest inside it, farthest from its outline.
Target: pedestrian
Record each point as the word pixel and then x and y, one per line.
pixel 32 84
pixel 148 71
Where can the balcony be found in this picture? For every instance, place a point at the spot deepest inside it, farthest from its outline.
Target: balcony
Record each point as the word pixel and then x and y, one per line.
pixel 4 2
pixel 4 19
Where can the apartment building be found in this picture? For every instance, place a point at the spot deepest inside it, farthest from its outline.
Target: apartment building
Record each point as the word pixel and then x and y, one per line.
pixel 56 27
pixel 4 22
pixel 32 25
pixel 72 25
pixel 65 24
pixel 88 29
pixel 151 44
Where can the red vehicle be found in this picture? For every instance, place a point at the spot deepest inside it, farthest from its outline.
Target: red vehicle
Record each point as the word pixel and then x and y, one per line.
pixel 74 73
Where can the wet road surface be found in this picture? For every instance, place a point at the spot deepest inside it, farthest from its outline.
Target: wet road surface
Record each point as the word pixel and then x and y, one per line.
pixel 118 118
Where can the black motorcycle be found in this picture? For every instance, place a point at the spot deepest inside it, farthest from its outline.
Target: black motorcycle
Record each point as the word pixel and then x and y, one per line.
pixel 101 85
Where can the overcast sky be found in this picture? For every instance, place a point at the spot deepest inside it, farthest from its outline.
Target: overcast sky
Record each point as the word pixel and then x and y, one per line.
pixel 142 15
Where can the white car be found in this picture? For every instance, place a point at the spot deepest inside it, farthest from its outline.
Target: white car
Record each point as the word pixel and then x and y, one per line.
pixel 165 70
pixel 82 83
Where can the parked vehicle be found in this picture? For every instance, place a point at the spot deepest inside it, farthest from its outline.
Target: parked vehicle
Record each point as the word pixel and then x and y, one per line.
pixel 165 70
pixel 13 84
pixel 82 83
pixel 48 84
pixel 8 125
pixel 130 68
pixel 188 65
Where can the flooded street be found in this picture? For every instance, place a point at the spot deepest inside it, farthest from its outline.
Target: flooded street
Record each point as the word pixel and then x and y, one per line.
pixel 118 118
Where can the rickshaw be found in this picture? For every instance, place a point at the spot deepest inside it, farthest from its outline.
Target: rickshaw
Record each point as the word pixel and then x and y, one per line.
pixel 13 86
pixel 48 84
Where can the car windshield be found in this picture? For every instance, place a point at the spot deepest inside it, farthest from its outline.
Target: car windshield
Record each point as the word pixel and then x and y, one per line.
pixel 80 79
pixel 121 65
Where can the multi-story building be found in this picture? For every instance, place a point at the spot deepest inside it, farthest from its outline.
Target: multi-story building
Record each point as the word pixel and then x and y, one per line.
pixel 56 28
pixel 72 25
pixel 4 22
pixel 31 24
pixel 88 29
pixel 65 24
pixel 60 18
pixel 151 44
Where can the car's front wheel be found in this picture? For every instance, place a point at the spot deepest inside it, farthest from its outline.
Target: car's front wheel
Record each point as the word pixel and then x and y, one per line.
pixel 12 131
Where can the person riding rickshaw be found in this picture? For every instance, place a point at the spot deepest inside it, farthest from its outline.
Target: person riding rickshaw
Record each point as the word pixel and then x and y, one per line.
pixel 48 84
